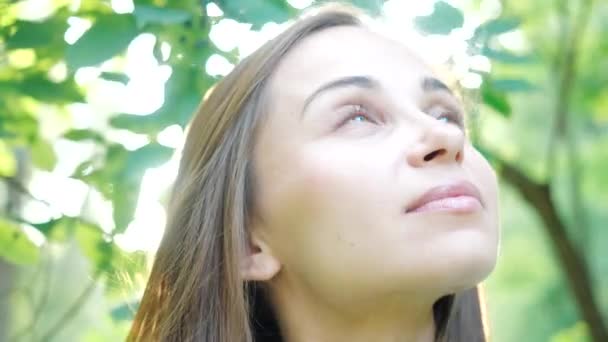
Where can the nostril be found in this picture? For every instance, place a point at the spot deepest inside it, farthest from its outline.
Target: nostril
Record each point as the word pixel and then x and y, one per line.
pixel 434 154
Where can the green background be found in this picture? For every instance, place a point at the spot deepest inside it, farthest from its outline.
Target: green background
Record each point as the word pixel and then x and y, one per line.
pixel 540 115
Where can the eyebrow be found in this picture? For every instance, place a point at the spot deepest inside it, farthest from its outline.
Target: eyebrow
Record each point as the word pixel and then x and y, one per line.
pixel 433 84
pixel 428 84
pixel 364 82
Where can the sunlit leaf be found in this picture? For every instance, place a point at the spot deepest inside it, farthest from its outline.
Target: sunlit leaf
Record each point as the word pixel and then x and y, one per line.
pixel 43 155
pixel 19 126
pixel 47 227
pixel 31 34
pixel 115 77
pixel 495 27
pixel 257 12
pixel 8 164
pixel 181 100
pixel 105 178
pixel 145 14
pixel 141 124
pixel 96 247
pixel 15 246
pixel 150 155
pixel 372 7
pixel 62 228
pixel 124 203
pixel 443 20
pixel 579 332
pixel 42 89
pixel 504 56
pixel 109 36
pixel 120 177
pixel 84 134
pixel 512 85
pixel 495 99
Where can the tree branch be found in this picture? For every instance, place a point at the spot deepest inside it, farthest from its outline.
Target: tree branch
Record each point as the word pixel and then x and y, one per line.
pixel 38 307
pixel 72 310
pixel 565 97
pixel 19 187
pixel 577 275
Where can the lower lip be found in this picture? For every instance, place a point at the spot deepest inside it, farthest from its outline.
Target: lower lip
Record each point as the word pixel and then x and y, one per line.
pixel 459 204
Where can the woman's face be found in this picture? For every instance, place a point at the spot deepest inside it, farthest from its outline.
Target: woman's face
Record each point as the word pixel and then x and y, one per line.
pixel 358 130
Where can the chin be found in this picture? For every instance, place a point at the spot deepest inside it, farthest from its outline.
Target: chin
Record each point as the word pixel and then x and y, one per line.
pixel 459 264
pixel 466 271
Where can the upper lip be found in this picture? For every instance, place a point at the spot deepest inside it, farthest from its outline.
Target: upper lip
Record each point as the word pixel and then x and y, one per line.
pixel 462 188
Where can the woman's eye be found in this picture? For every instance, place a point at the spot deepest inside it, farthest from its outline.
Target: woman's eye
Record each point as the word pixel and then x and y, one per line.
pixel 359 117
pixel 358 113
pixel 448 116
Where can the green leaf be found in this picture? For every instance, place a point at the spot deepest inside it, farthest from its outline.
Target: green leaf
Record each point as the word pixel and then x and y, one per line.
pixel 42 89
pixel 579 332
pixel 84 134
pixel 104 179
pixel 109 36
pixel 21 126
pixel 94 246
pixel 495 27
pixel 183 92
pixel 186 106
pixel 513 85
pixel 83 170
pixel 115 77
pixel 372 7
pixel 31 34
pixel 120 178
pixel 257 12
pixel 15 246
pixel 182 97
pixel 124 203
pixel 43 155
pixel 504 56
pixel 8 164
pixel 151 155
pixel 141 124
pixel 47 227
pixel 59 229
pixel 495 99
pixel 443 20
pixel 145 14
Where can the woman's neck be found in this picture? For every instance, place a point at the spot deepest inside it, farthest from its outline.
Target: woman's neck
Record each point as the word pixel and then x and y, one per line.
pixel 304 318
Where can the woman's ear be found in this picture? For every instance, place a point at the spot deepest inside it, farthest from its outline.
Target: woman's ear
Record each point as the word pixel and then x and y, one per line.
pixel 259 263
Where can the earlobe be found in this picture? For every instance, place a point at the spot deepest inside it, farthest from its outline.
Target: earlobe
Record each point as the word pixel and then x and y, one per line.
pixel 259 264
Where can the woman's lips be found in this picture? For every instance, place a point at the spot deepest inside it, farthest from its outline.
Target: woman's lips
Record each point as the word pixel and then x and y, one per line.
pixel 462 197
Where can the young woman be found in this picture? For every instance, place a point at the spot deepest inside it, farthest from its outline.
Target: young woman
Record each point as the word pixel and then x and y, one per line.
pixel 327 192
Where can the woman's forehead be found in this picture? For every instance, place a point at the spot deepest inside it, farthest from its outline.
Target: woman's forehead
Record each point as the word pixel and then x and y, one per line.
pixel 347 51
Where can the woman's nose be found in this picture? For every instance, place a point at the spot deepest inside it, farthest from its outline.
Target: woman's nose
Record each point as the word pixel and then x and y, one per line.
pixel 441 143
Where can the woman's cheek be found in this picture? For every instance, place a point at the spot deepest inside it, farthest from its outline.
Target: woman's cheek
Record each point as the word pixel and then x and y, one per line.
pixel 488 183
pixel 487 177
pixel 337 178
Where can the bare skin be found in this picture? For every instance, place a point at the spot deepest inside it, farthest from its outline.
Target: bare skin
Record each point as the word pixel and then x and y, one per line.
pixel 336 170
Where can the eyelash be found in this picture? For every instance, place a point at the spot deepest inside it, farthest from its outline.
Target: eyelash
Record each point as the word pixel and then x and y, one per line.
pixel 358 110
pixel 453 116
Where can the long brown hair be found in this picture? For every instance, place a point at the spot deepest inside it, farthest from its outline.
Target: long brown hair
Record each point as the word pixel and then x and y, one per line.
pixel 195 292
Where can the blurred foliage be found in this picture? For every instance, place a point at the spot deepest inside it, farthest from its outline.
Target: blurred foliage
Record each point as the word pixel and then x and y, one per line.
pixel 541 119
